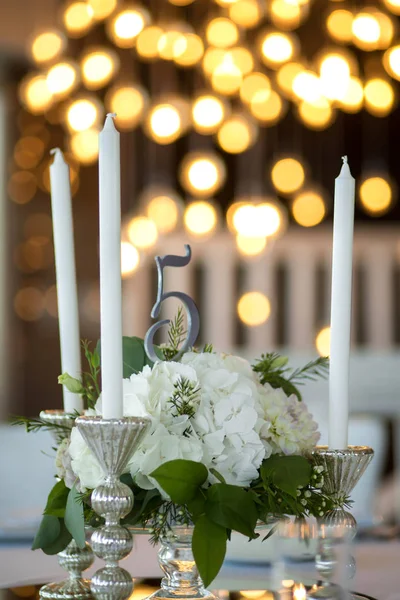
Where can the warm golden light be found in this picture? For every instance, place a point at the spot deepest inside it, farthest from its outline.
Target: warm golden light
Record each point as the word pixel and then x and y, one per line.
pixel 334 74
pixel 147 42
pixel 255 86
pixel 85 146
pixel 172 41
pixel 253 309
pixel 366 31
pixel 317 115
pixel 287 15
pixel 181 2
pixel 237 134
pixel 208 112
pixel 129 103
pixel 308 208
pixel 83 113
pixel 353 99
pixel 164 123
pixel 299 592
pixel 277 48
pixel 142 232
pixel 62 78
pixel 246 13
pixel 250 246
pixel 287 583
pixel 200 218
pixel 376 195
pixel 379 96
pixel 227 76
pixel 288 175
pixel 268 109
pixel 164 210
pixel 213 57
pixel 252 594
pixel 243 59
pixel 99 67
pixel 257 220
pixel 78 18
pixel 202 173
pixel 29 304
pixel 286 75
pixel 391 62
pixel 307 86
pixel 126 25
pixel 323 341
pixel 386 28
pixel 28 152
pixel 22 187
pixel 35 94
pixel 102 8
pixel 129 259
pixel 189 51
pixel 339 24
pixel 222 33
pixel 393 6
pixel 47 46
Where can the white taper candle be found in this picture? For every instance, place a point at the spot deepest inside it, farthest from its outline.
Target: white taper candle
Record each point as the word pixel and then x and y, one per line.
pixel 342 263
pixel 67 297
pixel 110 269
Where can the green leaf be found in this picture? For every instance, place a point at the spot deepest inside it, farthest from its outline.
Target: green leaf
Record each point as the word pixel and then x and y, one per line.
pixel 74 519
pixel 95 359
pixel 232 507
pixel 71 383
pixel 48 532
pixel 133 355
pixel 196 507
pixel 61 542
pixel 287 472
pixel 270 532
pixel 57 500
pixel 180 479
pixel 209 547
pixel 217 475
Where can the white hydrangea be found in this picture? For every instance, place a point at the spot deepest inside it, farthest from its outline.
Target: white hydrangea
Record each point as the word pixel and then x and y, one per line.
pixel 237 422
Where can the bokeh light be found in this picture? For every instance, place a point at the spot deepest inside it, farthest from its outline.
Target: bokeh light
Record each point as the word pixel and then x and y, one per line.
pixel 334 74
pixel 308 208
pixel 379 96
pixel 227 77
pixel 277 48
pixel 22 187
pixel 255 86
pixel 222 33
pixel 28 152
pixel 129 102
pixel 243 59
pixel 307 86
pixel 391 62
pixel 98 67
pixel 268 109
pixel 353 99
pixel 78 18
pixel 29 303
pixel 339 24
pixel 212 58
pixel 47 46
pixel 287 15
pixel 258 219
pixel 189 51
pixel 251 246
pixel 253 309
pixel 142 232
pixel 102 8
pixel 237 134
pixel 323 341
pixel 286 75
pixel 246 13
pixel 316 115
pixel 85 146
pixel 62 78
pixel 288 175
pixel 164 123
pixel 208 112
pixel 202 173
pixel 35 94
pixel 376 195
pixel 126 25
pixel 393 6
pixel 83 113
pixel 163 206
pixel 366 31
pixel 173 40
pixel 200 218
pixel 129 259
pixel 147 42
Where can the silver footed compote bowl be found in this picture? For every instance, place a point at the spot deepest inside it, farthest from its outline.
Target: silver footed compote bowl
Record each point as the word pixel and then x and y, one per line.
pixel 342 471
pixel 73 559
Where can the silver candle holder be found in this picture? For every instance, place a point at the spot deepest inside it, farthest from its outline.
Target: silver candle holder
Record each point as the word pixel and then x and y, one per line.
pixel 342 471
pixel 112 441
pixel 73 559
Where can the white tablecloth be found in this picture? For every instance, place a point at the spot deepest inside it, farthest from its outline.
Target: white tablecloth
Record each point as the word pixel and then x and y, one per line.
pixel 378 569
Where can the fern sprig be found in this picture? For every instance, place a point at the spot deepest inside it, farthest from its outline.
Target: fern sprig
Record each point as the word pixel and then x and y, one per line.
pixel 176 336
pixel 311 371
pixel 37 424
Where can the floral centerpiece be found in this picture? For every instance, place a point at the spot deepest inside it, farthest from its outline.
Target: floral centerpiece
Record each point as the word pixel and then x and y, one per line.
pixel 227 448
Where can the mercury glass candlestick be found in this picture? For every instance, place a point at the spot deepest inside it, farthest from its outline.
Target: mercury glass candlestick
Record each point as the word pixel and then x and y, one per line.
pixel 112 441
pixel 342 471
pixel 73 559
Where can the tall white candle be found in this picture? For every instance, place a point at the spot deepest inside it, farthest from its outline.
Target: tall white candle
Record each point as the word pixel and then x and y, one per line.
pixel 110 269
pixel 342 262
pixel 67 297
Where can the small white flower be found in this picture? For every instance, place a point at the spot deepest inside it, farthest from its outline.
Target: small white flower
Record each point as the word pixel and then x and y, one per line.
pixel 307 494
pixel 303 502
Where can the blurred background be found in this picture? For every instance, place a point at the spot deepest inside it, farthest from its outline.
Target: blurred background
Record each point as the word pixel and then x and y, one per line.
pixel 234 116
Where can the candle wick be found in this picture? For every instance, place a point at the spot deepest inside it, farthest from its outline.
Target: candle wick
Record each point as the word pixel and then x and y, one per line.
pixel 345 159
pixel 113 115
pixel 54 151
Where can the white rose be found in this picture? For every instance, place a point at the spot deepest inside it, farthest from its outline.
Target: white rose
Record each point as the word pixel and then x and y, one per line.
pixel 83 462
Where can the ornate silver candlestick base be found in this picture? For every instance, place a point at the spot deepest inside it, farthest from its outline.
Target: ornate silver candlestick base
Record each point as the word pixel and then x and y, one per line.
pixel 343 469
pixel 113 442
pixel 73 559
